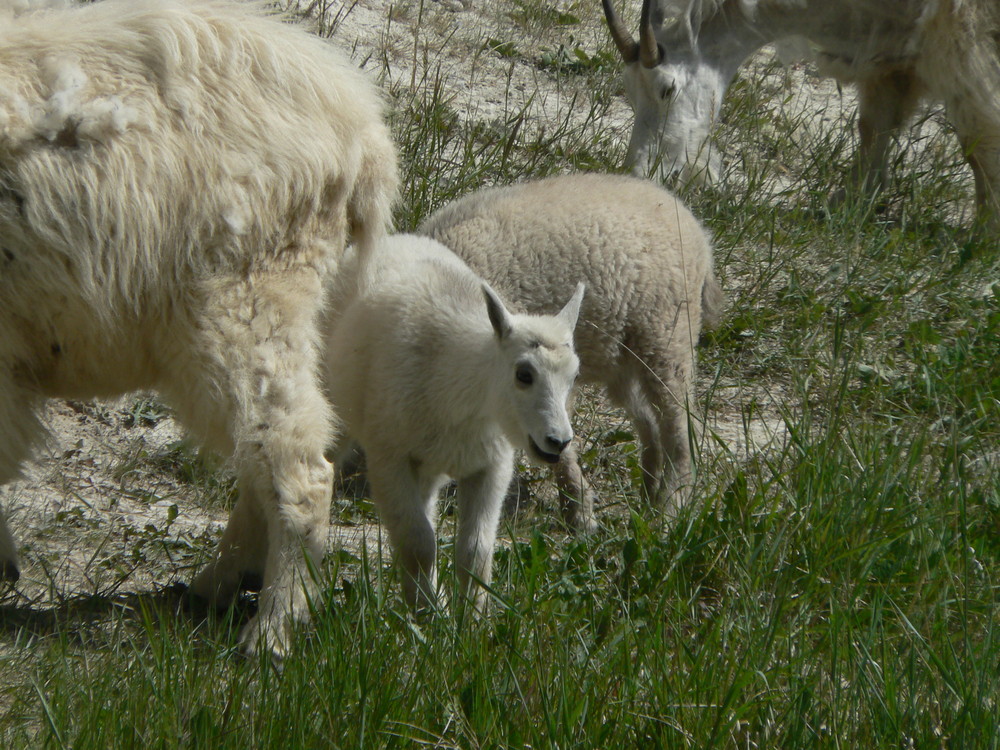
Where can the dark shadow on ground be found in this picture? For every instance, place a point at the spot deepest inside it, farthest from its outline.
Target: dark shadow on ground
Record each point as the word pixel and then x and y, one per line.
pixel 75 615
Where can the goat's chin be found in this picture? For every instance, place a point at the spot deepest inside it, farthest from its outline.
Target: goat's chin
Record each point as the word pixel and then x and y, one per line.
pixel 540 455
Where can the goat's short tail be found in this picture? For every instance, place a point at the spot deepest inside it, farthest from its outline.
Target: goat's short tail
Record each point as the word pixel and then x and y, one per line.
pixel 375 191
pixel 713 301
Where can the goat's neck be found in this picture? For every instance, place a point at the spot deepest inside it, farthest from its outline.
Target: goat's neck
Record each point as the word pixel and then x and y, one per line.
pixel 474 382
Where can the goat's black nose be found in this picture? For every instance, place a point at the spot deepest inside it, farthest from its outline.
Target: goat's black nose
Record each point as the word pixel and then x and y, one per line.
pixel 555 444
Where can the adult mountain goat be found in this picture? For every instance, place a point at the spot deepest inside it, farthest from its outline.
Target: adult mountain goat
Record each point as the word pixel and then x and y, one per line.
pixel 896 53
pixel 177 180
pixel 436 379
pixel 647 264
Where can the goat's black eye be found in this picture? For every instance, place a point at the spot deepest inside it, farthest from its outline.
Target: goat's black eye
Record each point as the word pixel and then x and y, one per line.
pixel 667 92
pixel 524 376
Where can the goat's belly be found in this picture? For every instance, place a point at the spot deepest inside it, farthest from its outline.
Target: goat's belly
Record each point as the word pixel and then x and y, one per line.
pixel 73 367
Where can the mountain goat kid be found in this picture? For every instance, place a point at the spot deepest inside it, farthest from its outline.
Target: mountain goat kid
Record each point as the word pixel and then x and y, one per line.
pixel 436 379
pixel 177 180
pixel 647 264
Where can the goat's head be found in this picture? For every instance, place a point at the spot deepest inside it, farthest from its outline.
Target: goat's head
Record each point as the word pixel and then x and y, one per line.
pixel 675 94
pixel 538 367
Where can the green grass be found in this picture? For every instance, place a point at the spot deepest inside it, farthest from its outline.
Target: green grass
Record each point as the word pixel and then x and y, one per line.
pixel 839 589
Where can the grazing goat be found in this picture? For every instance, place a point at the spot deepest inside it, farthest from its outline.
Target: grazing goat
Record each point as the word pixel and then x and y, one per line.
pixel 177 180
pixel 895 52
pixel 647 264
pixel 435 379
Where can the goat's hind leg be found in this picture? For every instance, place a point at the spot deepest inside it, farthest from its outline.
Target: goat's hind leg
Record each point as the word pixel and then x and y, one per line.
pixel 978 127
pixel 671 398
pixel 408 510
pixel 962 67
pixel 22 431
pixel 239 560
pixel 885 101
pixel 627 392
pixel 264 363
pixel 659 411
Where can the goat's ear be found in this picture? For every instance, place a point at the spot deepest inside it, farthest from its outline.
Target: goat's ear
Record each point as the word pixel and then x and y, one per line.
pixel 571 311
pixel 499 317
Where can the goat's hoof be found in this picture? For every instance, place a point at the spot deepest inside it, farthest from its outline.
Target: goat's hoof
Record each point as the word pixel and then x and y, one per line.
pixel 215 588
pixel 251 580
pixel 579 516
pixel 585 526
pixel 9 571
pixel 260 636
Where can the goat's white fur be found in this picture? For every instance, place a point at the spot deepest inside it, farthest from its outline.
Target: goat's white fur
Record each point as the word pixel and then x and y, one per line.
pixel 895 52
pixel 177 180
pixel 424 365
pixel 647 264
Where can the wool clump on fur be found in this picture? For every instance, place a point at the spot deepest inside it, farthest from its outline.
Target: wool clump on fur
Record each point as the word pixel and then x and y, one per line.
pixel 177 180
pixel 647 264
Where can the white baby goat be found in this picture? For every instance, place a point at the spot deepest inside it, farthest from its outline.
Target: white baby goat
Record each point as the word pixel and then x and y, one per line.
pixel 436 379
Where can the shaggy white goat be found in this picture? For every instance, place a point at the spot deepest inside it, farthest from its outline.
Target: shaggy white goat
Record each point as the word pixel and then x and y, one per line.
pixel 897 52
pixel 177 180
pixel 435 379
pixel 647 264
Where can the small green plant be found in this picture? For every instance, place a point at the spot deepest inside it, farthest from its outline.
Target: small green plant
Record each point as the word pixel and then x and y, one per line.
pixel 575 59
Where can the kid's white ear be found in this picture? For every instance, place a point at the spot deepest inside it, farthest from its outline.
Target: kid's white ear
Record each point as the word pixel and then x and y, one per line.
pixel 571 311
pixel 499 317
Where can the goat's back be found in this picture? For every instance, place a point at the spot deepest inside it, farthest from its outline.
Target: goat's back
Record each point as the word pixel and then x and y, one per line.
pixel 147 148
pixel 639 250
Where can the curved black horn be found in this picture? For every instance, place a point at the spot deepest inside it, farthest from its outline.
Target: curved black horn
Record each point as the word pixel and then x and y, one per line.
pixel 649 50
pixel 622 38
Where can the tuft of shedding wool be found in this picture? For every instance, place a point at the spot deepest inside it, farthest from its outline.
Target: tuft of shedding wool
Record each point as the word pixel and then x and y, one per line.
pixel 177 179
pixel 69 113
pixel 10 9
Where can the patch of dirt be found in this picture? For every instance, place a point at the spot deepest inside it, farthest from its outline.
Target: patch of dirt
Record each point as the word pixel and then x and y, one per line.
pixel 102 503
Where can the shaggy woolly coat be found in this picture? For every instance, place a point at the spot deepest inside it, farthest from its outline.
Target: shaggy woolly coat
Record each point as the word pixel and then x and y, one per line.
pixel 177 179
pixel 647 265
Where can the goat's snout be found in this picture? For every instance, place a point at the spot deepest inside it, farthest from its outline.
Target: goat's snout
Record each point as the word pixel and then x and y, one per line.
pixel 556 444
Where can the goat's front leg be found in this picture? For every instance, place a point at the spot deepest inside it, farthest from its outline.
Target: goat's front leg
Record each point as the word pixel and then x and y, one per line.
pixel 9 568
pixel 21 432
pixel 480 500
pixel 575 495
